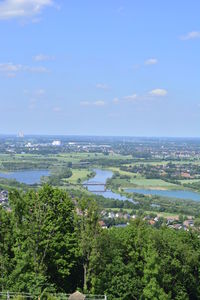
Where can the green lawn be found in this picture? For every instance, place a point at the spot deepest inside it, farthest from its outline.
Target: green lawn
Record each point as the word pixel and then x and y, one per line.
pixel 78 173
pixel 185 181
pixel 137 181
pixel 153 183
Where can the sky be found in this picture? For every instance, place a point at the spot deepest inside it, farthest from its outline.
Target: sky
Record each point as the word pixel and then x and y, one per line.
pixel 108 67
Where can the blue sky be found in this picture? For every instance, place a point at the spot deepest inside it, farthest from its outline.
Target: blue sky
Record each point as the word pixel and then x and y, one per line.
pixel 109 67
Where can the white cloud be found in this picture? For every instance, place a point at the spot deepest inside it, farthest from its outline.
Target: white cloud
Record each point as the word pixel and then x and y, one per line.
pixel 10 69
pixel 191 35
pixel 151 61
pixel 130 98
pixel 42 57
pixel 10 9
pixel 102 86
pixel 158 92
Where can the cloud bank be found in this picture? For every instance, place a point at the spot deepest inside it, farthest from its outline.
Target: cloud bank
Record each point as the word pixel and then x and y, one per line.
pixel 9 69
pixel 11 9
pixel 191 36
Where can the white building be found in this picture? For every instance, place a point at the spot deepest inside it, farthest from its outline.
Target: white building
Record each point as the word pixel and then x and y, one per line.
pixel 56 143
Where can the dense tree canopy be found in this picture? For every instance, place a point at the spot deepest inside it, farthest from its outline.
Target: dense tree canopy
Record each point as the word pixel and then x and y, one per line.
pixel 50 241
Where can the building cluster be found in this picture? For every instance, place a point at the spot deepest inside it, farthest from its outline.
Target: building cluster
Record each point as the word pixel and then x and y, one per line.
pixel 175 224
pixel 170 170
pixel 3 197
pixel 171 222
pixel 36 146
pixel 117 215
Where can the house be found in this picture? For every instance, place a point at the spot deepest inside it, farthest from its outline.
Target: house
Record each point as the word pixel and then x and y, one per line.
pixel 185 175
pixel 177 226
pixel 171 220
pixel 102 224
pixel 188 223
pixel 152 222
pixel 119 215
pixel 111 215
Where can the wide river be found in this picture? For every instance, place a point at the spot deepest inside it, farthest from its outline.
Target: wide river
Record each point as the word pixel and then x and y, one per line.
pixel 26 176
pixel 96 185
pixel 102 176
pixel 180 194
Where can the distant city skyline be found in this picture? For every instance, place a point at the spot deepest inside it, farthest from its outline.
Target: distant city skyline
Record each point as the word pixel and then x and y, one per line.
pixel 106 68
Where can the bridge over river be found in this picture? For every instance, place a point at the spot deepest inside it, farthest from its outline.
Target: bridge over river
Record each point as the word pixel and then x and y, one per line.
pixel 97 185
pixel 91 184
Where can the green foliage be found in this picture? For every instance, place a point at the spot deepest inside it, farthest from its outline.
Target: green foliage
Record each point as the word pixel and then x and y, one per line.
pixel 88 231
pixel 56 178
pixel 18 298
pixel 44 241
pixel 50 243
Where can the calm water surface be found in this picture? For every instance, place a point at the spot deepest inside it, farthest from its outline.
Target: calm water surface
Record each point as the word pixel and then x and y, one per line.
pixel 101 178
pixel 180 194
pixel 26 176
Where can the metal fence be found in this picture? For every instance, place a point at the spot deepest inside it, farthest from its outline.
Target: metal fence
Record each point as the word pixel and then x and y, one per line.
pixel 59 296
pixel 14 295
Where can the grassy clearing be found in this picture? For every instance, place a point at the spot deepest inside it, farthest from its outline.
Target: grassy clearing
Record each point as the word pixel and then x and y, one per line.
pixel 116 169
pixel 185 181
pixel 153 183
pixel 81 156
pixel 137 181
pixel 78 173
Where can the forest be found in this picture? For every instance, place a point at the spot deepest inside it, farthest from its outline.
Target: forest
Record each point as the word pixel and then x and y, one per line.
pixel 53 242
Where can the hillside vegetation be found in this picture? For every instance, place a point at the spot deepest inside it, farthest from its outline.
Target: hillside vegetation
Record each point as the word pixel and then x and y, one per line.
pixel 51 241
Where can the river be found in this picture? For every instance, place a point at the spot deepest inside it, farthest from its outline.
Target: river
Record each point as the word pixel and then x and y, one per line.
pixel 26 176
pixel 179 194
pixel 101 178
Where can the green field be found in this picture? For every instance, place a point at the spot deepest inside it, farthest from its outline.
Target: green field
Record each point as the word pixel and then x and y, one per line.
pixel 185 181
pixel 79 174
pixel 141 182
pixel 78 160
pixel 153 183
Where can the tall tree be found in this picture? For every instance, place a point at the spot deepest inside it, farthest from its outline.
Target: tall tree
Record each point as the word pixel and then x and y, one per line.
pixel 88 230
pixel 45 245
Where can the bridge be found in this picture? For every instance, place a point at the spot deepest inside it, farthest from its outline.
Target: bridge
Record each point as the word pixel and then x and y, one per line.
pixel 88 184
pixel 100 184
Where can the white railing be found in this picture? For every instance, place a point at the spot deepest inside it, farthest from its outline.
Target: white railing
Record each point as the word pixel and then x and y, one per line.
pixel 26 296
